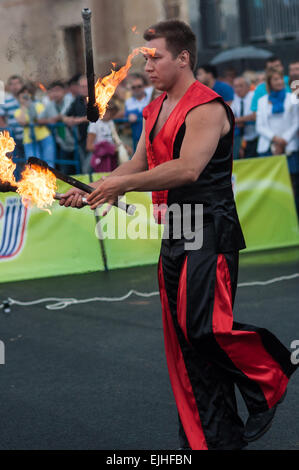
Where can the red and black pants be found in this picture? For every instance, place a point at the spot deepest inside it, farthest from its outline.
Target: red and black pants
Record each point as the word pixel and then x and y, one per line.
pixel 208 353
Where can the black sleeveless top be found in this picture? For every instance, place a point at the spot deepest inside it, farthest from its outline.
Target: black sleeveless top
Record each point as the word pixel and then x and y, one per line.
pixel 214 190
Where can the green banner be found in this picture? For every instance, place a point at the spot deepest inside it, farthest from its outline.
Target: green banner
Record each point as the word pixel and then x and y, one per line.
pixel 35 244
pixel 265 203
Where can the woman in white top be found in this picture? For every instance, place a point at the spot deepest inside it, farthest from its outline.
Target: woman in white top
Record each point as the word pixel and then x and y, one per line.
pixel 277 120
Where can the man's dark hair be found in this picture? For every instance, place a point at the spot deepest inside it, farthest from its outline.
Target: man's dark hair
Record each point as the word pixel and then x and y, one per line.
pixel 208 68
pixel 74 79
pixel 55 84
pixel 27 88
pixel 178 36
pixel 113 106
pixel 15 77
pixel 273 58
pixel 139 76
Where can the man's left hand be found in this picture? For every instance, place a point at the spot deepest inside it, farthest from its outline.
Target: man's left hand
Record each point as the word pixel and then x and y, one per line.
pixel 107 191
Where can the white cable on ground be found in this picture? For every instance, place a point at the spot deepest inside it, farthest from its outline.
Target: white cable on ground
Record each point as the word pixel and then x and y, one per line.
pixel 63 303
pixel 271 281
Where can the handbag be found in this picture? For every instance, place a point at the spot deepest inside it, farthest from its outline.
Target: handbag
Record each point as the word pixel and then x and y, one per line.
pixel 122 153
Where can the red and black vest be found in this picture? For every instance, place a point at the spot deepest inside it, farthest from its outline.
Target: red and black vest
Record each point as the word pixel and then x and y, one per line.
pixel 213 188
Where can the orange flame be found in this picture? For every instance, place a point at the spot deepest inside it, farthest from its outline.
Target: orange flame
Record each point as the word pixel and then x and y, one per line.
pixel 42 87
pixel 7 166
pixel 105 87
pixel 37 186
pixel 134 30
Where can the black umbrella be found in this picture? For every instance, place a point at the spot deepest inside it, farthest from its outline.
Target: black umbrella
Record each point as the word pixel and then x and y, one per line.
pixel 241 53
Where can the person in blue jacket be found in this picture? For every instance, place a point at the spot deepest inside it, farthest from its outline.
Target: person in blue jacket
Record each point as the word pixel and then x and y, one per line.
pixel 208 75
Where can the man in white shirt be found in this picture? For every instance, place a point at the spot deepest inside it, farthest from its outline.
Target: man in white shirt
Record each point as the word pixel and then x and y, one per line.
pixel 245 119
pixel 9 122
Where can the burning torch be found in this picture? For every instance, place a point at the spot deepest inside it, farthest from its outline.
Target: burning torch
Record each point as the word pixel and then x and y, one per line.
pixel 128 208
pixel 92 109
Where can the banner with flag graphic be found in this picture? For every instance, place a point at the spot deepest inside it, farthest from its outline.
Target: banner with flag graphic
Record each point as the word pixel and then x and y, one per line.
pixel 13 216
pixel 35 244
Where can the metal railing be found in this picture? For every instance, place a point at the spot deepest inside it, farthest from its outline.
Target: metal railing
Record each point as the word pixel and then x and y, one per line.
pixel 266 20
pixel 272 19
pixel 220 23
pixel 73 161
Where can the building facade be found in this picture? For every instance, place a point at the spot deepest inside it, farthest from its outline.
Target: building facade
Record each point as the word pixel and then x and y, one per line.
pixel 42 40
pixel 269 24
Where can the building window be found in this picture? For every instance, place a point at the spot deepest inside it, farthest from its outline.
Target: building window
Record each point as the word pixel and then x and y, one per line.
pixel 268 20
pixel 220 23
pixel 74 49
pixel 172 9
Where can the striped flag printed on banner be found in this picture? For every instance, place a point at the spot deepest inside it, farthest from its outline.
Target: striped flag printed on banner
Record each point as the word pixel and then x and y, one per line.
pixel 13 221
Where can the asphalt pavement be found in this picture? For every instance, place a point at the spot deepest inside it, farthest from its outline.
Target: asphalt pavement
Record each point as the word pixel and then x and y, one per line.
pixel 94 375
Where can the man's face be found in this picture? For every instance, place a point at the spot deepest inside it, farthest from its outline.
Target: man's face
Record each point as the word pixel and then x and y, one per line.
pixel 14 86
pixel 276 64
pixel 83 88
pixel 24 98
pixel 162 69
pixel 56 94
pixel 74 89
pixel 260 78
pixel 294 71
pixel 137 87
pixel 203 77
pixel 241 87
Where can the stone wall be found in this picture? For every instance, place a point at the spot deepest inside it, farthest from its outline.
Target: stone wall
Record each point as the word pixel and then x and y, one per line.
pixel 33 34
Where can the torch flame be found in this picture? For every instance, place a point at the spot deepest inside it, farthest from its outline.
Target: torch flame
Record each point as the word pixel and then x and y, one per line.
pixel 105 87
pixel 7 166
pixel 42 87
pixel 37 186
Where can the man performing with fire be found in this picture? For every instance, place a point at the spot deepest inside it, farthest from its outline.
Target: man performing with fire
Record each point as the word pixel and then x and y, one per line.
pixel 184 156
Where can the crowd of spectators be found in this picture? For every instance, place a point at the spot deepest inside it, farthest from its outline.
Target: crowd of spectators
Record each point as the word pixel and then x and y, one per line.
pixel 51 122
pixel 266 109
